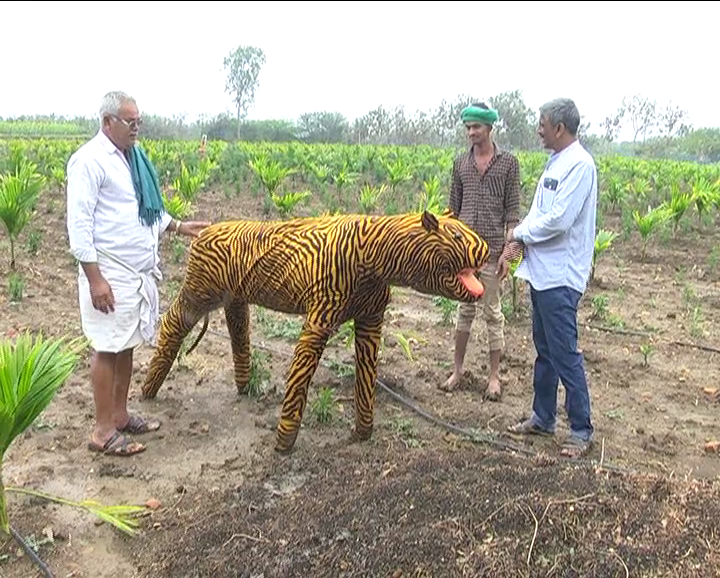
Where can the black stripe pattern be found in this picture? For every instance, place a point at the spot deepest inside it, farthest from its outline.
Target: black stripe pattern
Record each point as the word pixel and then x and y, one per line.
pixel 332 269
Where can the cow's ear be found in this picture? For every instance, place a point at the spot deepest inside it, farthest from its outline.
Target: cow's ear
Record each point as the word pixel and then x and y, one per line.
pixel 430 222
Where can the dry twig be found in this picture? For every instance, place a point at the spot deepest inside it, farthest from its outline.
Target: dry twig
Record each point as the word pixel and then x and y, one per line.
pixel 547 508
pixel 535 532
pixel 247 537
pixel 497 511
pixel 627 570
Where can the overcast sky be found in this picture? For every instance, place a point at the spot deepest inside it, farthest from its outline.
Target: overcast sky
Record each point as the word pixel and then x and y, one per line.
pixel 60 57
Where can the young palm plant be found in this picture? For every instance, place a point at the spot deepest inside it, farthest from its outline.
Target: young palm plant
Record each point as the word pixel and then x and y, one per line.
pixel 369 196
pixel 285 204
pixel 270 173
pixel 603 240
pixel 432 199
pixel 676 207
pixel 19 192
pixel 647 223
pixel 32 370
pixel 188 184
pixel 176 206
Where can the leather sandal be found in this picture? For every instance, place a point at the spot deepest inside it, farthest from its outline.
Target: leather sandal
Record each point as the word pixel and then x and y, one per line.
pixel 138 425
pixel 527 427
pixel 117 445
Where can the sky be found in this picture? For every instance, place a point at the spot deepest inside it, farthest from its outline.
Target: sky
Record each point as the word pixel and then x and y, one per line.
pixel 350 57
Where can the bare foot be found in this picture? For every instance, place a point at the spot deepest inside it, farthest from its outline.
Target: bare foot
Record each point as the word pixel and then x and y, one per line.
pixel 494 390
pixel 450 383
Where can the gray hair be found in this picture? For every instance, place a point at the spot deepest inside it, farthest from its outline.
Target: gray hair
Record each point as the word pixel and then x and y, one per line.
pixel 111 103
pixel 562 110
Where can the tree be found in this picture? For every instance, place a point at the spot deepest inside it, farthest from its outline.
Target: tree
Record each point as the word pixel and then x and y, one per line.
pixel 243 68
pixel 446 121
pixel 702 144
pixel 444 124
pixel 373 127
pixel 612 125
pixel 517 123
pixel 642 113
pixel 323 127
pixel 671 121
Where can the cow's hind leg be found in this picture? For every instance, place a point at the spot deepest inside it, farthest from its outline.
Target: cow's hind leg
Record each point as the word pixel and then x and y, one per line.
pixel 176 323
pixel 237 316
pixel 308 351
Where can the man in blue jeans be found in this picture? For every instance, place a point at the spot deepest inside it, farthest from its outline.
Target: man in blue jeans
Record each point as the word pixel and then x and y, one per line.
pixel 559 238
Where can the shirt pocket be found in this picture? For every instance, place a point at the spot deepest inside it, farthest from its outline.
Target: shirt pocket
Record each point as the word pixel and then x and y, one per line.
pixel 494 192
pixel 548 190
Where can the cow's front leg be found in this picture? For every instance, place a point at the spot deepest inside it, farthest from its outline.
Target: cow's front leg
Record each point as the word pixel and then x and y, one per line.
pixel 368 332
pixel 308 351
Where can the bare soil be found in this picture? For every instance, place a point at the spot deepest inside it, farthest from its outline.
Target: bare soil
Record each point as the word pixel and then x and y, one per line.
pixel 416 500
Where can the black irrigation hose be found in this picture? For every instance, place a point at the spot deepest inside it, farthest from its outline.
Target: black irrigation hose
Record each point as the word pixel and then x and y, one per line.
pixel 461 431
pixel 31 553
pixel 453 428
pixel 494 442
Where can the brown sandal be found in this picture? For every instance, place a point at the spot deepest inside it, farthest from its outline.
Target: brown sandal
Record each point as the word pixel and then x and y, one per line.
pixel 138 425
pixel 117 445
pixel 527 427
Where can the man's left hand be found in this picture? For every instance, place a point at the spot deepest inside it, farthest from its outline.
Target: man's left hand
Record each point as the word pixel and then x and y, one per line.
pixel 503 267
pixel 192 228
pixel 512 251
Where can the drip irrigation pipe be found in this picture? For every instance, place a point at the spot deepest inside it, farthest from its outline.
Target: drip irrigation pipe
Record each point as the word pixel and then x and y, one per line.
pixel 472 436
pixel 31 553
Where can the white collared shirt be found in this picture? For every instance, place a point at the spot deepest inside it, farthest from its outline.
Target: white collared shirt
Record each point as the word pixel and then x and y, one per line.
pixel 102 208
pixel 559 230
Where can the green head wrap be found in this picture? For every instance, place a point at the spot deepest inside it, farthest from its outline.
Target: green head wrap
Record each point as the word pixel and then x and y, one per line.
pixel 477 114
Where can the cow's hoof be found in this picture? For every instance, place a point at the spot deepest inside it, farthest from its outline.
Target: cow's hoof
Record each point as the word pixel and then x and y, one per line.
pixel 361 434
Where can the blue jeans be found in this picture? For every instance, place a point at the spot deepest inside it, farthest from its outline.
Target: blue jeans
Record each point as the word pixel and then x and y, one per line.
pixel 555 335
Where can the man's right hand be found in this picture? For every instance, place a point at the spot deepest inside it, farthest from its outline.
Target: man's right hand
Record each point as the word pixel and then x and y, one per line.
pixel 100 290
pixel 102 295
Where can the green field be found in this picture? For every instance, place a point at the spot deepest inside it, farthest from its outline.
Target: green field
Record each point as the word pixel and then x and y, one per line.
pixel 414 498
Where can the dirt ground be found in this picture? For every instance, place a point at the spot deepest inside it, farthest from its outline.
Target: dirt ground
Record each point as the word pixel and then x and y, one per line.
pixel 416 500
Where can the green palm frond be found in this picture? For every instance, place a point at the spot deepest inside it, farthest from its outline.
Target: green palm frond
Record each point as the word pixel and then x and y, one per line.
pixel 123 517
pixel 19 192
pixel 32 369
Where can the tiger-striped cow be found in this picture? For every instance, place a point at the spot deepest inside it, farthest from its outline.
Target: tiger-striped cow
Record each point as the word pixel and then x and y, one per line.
pixel 330 268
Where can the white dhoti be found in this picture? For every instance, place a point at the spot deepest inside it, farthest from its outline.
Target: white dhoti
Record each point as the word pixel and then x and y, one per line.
pixel 137 307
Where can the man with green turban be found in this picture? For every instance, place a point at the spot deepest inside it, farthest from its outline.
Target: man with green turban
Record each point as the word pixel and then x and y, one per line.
pixel 479 114
pixel 485 194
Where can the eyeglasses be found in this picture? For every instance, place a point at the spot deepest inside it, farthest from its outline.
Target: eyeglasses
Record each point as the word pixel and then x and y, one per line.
pixel 137 123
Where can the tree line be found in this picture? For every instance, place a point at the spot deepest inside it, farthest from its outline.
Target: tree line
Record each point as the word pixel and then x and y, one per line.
pixel 657 131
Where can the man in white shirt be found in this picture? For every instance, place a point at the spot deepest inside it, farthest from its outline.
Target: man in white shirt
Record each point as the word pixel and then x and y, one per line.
pixel 559 238
pixel 114 219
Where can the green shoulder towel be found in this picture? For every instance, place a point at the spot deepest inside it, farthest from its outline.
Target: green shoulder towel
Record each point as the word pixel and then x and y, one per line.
pixel 147 187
